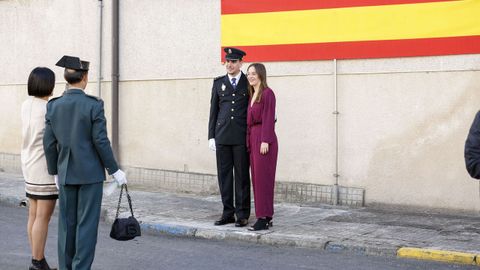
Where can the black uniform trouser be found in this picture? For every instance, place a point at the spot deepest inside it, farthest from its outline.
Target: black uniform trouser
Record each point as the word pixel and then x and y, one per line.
pixel 234 179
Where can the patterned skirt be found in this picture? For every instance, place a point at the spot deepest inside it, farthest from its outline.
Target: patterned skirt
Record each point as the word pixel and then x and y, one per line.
pixel 41 191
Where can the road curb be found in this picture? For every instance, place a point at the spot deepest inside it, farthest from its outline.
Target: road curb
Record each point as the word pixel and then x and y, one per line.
pixel 240 236
pixel 359 248
pixel 268 238
pixel 293 241
pixel 438 255
pixel 170 229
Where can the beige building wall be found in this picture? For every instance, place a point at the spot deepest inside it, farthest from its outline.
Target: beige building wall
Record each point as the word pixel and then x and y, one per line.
pixel 402 122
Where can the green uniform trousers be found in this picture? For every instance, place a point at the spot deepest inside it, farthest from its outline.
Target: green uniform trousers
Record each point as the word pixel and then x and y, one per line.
pixel 78 225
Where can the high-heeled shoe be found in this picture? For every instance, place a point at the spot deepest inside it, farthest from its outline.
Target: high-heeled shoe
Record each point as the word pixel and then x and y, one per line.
pixel 261 224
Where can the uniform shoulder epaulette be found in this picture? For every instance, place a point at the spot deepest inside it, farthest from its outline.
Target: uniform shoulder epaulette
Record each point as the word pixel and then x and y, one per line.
pixel 53 99
pixel 218 78
pixel 95 97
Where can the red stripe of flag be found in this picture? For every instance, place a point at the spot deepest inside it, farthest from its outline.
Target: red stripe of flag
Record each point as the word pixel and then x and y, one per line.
pixel 362 49
pixel 255 6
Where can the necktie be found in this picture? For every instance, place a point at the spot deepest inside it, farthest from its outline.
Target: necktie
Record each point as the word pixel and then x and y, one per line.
pixel 234 83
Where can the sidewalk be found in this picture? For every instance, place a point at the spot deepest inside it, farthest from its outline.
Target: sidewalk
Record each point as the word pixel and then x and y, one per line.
pixel 362 231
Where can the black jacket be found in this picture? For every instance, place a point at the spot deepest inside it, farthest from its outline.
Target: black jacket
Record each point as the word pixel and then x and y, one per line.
pixel 472 149
pixel 228 111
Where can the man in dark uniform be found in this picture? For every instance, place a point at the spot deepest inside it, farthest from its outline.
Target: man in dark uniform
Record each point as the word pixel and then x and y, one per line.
pixel 227 129
pixel 78 151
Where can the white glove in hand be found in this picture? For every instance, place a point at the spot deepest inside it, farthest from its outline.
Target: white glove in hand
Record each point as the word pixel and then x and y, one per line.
pixel 55 177
pixel 211 144
pixel 120 177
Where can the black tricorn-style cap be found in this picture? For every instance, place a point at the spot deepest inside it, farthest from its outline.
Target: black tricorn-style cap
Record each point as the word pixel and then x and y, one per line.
pixel 73 62
pixel 234 53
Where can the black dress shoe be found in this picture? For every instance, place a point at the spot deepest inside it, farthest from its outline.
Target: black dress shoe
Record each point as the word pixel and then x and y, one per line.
pixel 241 222
pixel 224 221
pixel 261 224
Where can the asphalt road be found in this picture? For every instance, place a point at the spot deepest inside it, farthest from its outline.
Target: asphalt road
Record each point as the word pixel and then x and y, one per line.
pixel 164 252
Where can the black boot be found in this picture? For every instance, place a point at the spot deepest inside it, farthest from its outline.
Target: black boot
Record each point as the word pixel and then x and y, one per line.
pixel 35 265
pixel 40 265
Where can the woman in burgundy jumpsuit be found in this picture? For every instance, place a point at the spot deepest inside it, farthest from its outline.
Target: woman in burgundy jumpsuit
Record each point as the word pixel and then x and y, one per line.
pixel 262 144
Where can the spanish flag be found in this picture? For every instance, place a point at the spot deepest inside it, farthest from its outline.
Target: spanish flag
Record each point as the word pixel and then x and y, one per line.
pixel 297 30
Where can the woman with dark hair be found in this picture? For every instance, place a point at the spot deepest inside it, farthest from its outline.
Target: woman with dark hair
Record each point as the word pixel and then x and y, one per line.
pixel 40 187
pixel 262 144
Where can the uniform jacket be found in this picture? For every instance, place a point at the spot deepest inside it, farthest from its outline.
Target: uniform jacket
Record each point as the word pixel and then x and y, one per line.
pixel 228 111
pixel 75 142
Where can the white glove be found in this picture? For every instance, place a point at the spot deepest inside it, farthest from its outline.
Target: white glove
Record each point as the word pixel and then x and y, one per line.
pixel 55 177
pixel 211 144
pixel 120 177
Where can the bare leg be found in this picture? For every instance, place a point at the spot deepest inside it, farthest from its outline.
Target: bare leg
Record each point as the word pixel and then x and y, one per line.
pixel 40 227
pixel 32 213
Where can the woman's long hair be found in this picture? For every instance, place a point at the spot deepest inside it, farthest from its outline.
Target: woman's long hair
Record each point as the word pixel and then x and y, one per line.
pixel 262 75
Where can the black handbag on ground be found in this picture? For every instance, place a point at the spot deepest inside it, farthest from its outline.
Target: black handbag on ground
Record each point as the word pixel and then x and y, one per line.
pixel 124 229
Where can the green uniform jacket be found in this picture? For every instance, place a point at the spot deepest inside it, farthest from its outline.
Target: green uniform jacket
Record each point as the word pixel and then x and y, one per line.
pixel 75 140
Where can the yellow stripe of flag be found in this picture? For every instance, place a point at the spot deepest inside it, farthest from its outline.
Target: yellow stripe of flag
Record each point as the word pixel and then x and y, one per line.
pixel 388 22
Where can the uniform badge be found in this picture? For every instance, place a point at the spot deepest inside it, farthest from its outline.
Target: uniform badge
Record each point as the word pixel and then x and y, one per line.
pixel 223 87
